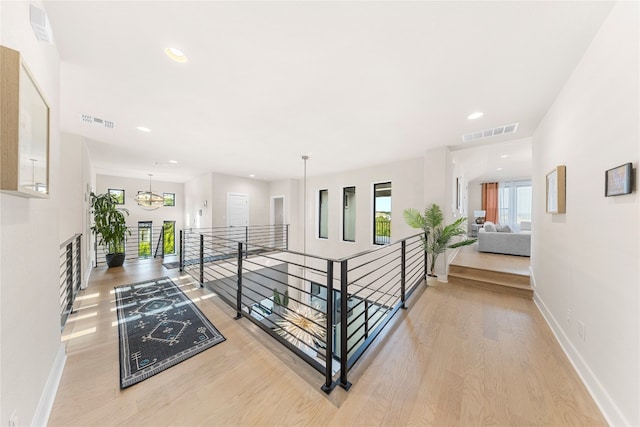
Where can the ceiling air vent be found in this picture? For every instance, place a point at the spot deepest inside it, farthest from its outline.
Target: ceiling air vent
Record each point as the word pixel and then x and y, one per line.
pixel 488 133
pixel 96 121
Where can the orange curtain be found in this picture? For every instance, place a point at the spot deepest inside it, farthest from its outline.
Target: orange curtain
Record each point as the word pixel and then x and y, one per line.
pixel 490 201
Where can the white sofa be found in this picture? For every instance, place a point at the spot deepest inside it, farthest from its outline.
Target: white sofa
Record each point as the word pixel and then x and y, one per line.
pixel 505 242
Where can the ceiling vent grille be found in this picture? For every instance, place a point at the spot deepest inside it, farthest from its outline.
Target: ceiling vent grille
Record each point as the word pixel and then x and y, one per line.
pixel 488 133
pixel 96 121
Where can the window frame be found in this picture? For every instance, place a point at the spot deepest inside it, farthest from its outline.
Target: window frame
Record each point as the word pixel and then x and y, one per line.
pixel 375 242
pixel 345 206
pixel 320 192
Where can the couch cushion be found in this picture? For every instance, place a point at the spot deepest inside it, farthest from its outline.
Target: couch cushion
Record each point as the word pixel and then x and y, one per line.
pixel 489 227
pixel 503 228
pixel 525 226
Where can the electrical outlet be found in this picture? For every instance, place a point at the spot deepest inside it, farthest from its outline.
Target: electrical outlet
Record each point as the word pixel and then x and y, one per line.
pixel 581 330
pixel 13 420
pixel 569 314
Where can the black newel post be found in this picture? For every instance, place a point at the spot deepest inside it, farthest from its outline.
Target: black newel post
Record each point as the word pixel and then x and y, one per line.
pixel 181 254
pixel 328 351
pixel 403 272
pixel 201 260
pixel 343 326
pixel 239 291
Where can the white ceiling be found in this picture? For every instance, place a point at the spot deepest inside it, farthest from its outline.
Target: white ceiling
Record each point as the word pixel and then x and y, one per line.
pixel 352 84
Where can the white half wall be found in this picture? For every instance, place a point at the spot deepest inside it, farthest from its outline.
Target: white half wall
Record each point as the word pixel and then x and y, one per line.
pixel 586 262
pixel 76 180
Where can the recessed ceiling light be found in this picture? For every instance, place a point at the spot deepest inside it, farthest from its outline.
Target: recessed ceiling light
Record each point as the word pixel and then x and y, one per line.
pixel 504 156
pixel 143 129
pixel 475 115
pixel 176 54
pixel 173 161
pixel 252 176
pixel 498 169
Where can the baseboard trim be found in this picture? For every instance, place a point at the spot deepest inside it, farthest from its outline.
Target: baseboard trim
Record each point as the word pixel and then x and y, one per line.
pixel 603 400
pixel 41 417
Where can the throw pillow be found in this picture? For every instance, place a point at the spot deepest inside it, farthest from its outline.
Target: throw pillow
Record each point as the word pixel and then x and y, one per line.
pixel 489 227
pixel 503 228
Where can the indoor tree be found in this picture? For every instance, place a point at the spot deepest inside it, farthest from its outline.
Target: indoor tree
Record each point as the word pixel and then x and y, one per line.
pixel 437 236
pixel 110 227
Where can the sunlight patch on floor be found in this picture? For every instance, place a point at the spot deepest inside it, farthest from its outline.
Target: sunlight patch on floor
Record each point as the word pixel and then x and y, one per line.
pixel 78 334
pixel 86 297
pixel 73 318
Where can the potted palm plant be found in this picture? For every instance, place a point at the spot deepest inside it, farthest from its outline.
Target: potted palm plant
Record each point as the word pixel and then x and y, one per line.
pixel 110 227
pixel 437 236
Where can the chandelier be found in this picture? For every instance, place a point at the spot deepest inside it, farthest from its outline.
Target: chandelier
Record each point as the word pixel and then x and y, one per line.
pixel 149 200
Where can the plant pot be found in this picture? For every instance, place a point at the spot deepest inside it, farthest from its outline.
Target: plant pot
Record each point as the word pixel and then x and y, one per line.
pixel 115 260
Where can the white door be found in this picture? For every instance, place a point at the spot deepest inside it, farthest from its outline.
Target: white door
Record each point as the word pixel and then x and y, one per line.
pixel 237 217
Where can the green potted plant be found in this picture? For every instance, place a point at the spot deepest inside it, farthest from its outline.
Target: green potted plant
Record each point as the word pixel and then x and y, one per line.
pixel 110 227
pixel 437 236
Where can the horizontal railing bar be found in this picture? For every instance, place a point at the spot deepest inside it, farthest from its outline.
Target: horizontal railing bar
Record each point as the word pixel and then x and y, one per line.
pixel 393 267
pixel 391 253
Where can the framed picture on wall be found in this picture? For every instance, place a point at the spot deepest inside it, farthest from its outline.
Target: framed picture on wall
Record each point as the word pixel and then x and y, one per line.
pixel 619 180
pixel 556 190
pixel 118 194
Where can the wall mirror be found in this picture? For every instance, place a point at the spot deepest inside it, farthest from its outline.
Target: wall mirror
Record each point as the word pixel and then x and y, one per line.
pixel 25 130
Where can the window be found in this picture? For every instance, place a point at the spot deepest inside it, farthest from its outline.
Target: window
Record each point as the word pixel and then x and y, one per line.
pixel 118 194
pixel 144 239
pixel 323 214
pixel 382 213
pixel 514 202
pixel 169 230
pixel 169 199
pixel 349 214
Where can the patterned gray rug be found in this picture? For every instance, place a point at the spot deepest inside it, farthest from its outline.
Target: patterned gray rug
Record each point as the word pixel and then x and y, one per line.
pixel 159 327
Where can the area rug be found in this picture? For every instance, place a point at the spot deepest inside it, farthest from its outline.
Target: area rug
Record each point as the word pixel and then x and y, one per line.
pixel 159 327
pixel 171 265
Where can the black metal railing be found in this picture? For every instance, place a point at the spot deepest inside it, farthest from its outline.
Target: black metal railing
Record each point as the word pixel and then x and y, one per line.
pixel 143 243
pixel 70 275
pixel 327 311
pixel 382 231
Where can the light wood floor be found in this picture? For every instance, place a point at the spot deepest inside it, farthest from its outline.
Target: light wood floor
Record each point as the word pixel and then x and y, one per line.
pixel 457 356
pixel 468 256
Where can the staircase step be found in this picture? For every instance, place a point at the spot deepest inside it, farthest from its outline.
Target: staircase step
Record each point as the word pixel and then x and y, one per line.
pixel 501 277
pixel 503 287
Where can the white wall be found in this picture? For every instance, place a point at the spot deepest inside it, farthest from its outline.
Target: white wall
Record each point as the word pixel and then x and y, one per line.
pixel 587 260
pixel 214 187
pixel 257 190
pixel 407 191
pixel 131 186
pixel 197 193
pixel 289 188
pixel 29 310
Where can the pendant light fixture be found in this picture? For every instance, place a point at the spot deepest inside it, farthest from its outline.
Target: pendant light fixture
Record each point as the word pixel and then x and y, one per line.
pixel 148 200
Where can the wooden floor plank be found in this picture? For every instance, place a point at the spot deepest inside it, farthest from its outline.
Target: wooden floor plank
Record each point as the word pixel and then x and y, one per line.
pixel 456 356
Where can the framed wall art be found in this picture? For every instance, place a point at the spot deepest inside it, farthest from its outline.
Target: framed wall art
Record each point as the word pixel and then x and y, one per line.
pixel 619 180
pixel 556 190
